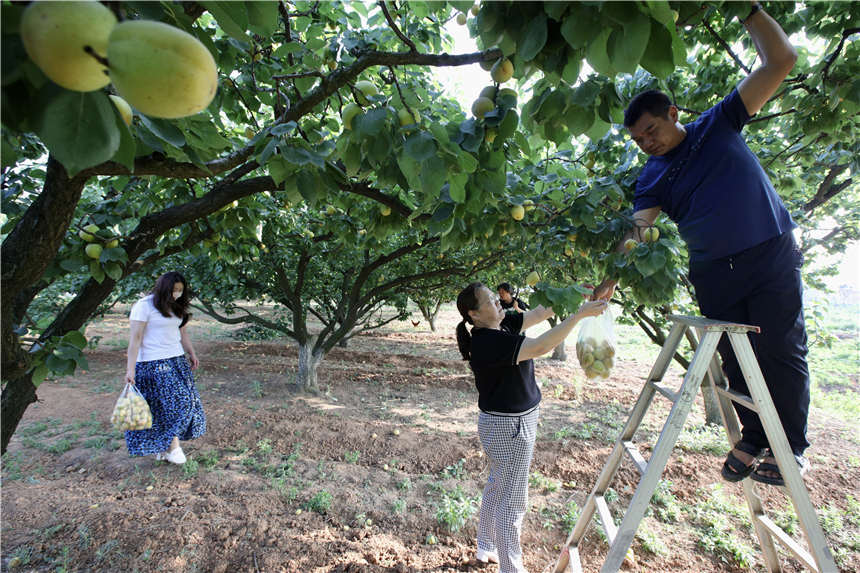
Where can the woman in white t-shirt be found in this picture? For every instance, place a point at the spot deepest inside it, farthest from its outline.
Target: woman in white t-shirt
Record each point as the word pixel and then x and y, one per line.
pixel 158 367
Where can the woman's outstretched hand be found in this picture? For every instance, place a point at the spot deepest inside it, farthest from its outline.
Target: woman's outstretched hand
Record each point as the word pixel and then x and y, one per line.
pixel 129 377
pixel 592 308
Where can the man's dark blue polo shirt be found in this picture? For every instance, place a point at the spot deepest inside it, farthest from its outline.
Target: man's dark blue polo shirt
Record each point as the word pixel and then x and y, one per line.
pixel 713 187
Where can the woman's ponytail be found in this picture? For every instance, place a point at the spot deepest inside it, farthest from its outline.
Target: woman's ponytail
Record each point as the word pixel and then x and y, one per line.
pixel 464 340
pixel 467 300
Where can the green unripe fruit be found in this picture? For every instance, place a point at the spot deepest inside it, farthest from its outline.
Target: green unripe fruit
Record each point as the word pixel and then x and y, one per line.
pixel 407 118
pixel 474 10
pixel 350 110
pixel 93 250
pixel 508 92
pixel 123 108
pixel 384 210
pixel 482 106
pixel 518 212
pixel 55 35
pixel 89 233
pixel 461 19
pixel 487 64
pixel 161 70
pixel 502 71
pixel 112 244
pixel 366 89
pixel 489 92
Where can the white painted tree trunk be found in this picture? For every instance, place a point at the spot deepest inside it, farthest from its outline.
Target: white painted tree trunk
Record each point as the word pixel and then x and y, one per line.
pixel 306 377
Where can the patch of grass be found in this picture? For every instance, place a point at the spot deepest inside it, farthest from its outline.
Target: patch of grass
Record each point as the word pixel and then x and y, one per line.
pixel 97 443
pixel 399 506
pixel 569 515
pixel 455 471
pixel 208 459
pixel 455 508
pixel 60 446
pixel 320 502
pixel 23 554
pixel 664 504
pixel 405 485
pixel 190 467
pixel 786 518
pixel 651 542
pixel 715 531
pixel 352 457
pixel 264 447
pixel 543 483
pixel 12 466
pixel 257 388
pixel 707 438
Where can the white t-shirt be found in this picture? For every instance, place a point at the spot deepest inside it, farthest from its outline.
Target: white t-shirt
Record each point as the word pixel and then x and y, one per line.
pixel 161 338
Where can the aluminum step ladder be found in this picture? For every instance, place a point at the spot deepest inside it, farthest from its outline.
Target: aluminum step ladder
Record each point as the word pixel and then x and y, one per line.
pixel 705 362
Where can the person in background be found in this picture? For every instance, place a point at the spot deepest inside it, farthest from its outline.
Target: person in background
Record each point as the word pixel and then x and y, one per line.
pixel 158 367
pixel 508 300
pixel 508 398
pixel 744 262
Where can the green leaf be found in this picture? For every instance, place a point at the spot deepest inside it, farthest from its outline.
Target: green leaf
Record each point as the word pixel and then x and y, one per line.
pixel 598 129
pixel 433 175
pixel 658 57
pixel 39 374
pixel 535 38
pixel 79 128
pixel 232 17
pixel 598 56
pixel 96 272
pixel 369 123
pixel 164 130
pixel 457 186
pixel 307 183
pixel 125 154
pixel 113 270
pixel 420 146
pixel 467 162
pixel 279 169
pixel 72 264
pixel 662 12
pixel 572 67
pixel 578 119
pixel 651 263
pixel 262 17
pixel 61 366
pixel 627 46
pixel 579 27
pixel 76 339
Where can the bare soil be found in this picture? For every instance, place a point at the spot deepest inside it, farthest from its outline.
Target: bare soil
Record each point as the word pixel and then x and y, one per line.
pixel 393 425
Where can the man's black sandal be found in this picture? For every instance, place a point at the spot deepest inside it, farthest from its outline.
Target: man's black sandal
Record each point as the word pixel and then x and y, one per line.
pixel 735 470
pixel 802 464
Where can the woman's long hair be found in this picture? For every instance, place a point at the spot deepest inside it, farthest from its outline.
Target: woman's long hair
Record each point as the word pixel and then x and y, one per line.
pixel 162 297
pixel 467 300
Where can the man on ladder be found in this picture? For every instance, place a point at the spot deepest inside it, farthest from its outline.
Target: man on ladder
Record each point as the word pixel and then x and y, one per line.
pixel 744 262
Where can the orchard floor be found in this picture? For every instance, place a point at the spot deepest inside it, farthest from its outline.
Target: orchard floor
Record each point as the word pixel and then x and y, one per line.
pixel 351 478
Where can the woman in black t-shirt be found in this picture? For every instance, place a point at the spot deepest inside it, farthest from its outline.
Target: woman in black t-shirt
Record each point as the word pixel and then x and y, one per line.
pixel 508 300
pixel 508 397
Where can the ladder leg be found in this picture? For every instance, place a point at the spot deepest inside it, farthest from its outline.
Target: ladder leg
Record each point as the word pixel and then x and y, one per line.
pixel 782 452
pixel 733 431
pixel 611 467
pixel 660 455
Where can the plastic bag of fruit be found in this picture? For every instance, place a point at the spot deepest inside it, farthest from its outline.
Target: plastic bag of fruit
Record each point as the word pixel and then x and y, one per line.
pixel 131 411
pixel 595 345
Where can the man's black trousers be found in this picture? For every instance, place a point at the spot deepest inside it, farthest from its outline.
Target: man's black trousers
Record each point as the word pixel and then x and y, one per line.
pixel 761 286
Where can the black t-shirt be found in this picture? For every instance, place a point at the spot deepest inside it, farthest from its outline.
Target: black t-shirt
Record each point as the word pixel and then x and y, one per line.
pixel 519 301
pixel 503 385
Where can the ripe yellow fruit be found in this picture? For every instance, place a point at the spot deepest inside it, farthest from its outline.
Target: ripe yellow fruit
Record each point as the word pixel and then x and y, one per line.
pixel 474 10
pixel 350 110
pixel 518 212
pixel 482 106
pixel 407 118
pixel 630 244
pixel 461 19
pixel 332 65
pixel 511 266
pixel 112 244
pixel 55 35
pixel 123 107
pixel 502 71
pixel 533 278
pixel 366 89
pixel 161 70
pixel 529 205
pixel 384 210
pixel 571 237
pixel 651 234
pixel 249 133
pixel 93 250
pixel 490 135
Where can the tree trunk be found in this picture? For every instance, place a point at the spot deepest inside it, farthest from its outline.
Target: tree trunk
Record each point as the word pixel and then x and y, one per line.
pixel 17 395
pixel 431 320
pixel 559 353
pixel 343 342
pixel 309 360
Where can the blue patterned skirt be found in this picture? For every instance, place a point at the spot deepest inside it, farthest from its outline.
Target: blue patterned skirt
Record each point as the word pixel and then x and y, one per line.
pixel 168 386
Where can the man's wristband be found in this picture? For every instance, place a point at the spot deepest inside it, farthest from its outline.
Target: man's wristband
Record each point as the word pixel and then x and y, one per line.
pixel 756 7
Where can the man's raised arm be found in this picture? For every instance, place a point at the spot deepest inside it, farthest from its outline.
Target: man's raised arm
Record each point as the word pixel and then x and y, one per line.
pixel 777 59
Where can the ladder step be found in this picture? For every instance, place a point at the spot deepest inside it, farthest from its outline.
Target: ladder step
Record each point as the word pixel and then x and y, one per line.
pixel 789 543
pixel 606 518
pixel 636 456
pixel 664 390
pixel 741 399
pixel 574 563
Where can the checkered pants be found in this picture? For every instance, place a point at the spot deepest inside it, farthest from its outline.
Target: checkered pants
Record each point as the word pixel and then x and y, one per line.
pixel 509 443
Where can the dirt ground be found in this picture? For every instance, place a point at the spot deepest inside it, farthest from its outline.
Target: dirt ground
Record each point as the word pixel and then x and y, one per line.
pixel 350 479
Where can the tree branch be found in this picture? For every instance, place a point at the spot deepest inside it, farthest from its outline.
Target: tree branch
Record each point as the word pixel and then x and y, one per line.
pixel 828 188
pixel 157 164
pixel 726 47
pixel 394 27
pixel 249 317
pixel 832 57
